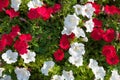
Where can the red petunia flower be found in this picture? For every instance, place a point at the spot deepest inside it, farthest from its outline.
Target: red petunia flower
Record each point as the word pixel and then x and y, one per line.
pixel 109 35
pixel 33 14
pixel 108 50
pixel 111 10
pixel 97 23
pixel 3 4
pixel 2 44
pixel 21 47
pixel 25 37
pixel 58 55
pixel 15 30
pixel 97 34
pixel 97 8
pixel 64 42
pixel 12 13
pixel 113 60
pixel 44 12
pixel 8 38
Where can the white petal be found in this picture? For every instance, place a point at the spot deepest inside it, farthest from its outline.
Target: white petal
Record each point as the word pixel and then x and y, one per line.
pixel 1 70
pixel 78 32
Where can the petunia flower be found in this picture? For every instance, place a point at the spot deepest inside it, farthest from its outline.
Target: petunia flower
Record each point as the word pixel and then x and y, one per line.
pixel 22 73
pixel 34 4
pixel 78 9
pixel 58 55
pixel 15 30
pixel 71 20
pixel 79 32
pixel 3 4
pixel 46 67
pixel 64 42
pixel 77 49
pixel 88 10
pixel 29 57
pixel 15 4
pixel 89 25
pixel 67 75
pixel 93 63
pixel 10 57
pixel 12 13
pixel 77 61
pixel 99 73
pixel 115 75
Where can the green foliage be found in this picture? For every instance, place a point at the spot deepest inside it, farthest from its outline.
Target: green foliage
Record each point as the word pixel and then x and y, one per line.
pixel 46 35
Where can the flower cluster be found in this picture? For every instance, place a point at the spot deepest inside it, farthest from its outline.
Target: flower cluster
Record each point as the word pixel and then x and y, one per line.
pixel 38 10
pixel 16 40
pixel 107 34
pixel 21 44
pixel 84 23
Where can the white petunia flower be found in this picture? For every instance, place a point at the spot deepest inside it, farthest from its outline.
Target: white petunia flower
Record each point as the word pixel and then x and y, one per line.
pixel 34 4
pixel 78 9
pixel 88 10
pixel 47 65
pixel 99 73
pixel 6 77
pixel 10 57
pixel 77 49
pixel 1 70
pixel 115 75
pixel 68 75
pixel 77 61
pixel 29 57
pixel 15 4
pixel 57 77
pixel 78 32
pixel 22 73
pixel 89 25
pixel 71 20
pixel 93 63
